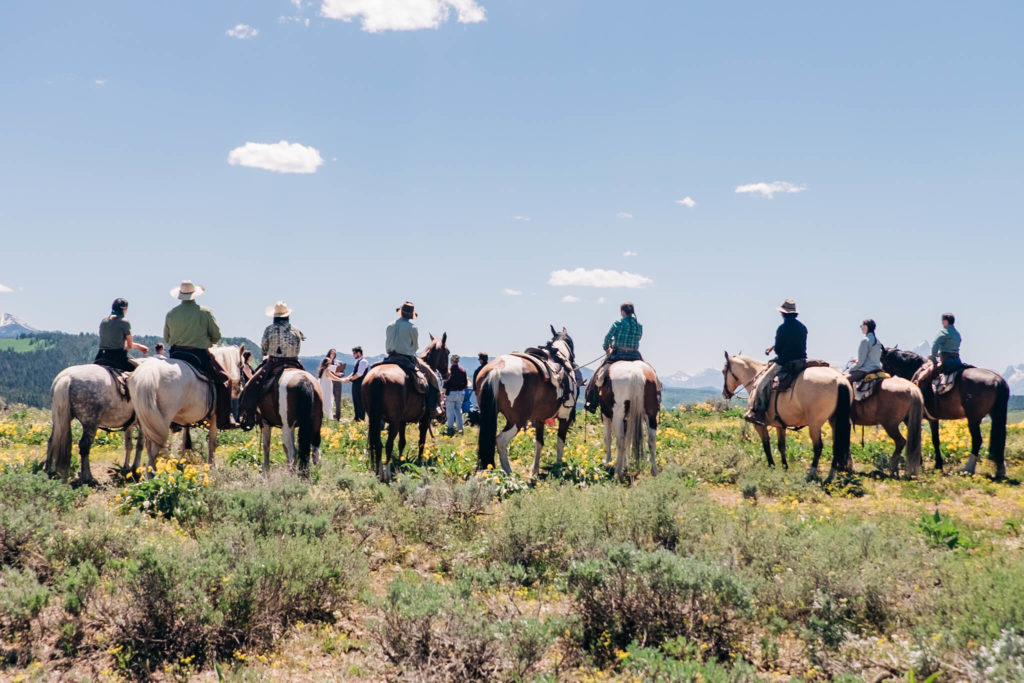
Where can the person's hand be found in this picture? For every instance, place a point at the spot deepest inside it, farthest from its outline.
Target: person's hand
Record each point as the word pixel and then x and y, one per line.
pixel 142 347
pixel 768 350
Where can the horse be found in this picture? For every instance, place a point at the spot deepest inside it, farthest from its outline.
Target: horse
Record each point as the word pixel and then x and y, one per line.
pixel 293 402
pixel 388 399
pixel 630 400
pixel 173 392
pixel 89 394
pixel 895 400
pixel 977 393
pixel 819 395
pixel 240 374
pixel 513 386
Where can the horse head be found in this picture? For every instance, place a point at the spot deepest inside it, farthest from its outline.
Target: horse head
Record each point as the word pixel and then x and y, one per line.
pixel 900 362
pixel 436 354
pixel 737 372
pixel 561 343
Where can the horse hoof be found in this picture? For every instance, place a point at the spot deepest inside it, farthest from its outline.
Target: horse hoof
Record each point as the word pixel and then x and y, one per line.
pixel 90 482
pixel 812 475
pixel 965 472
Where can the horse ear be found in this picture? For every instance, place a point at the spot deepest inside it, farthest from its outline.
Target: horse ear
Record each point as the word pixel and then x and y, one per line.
pixel 431 336
pixel 444 338
pixel 726 354
pixel 553 333
pixel 565 332
pixel 241 349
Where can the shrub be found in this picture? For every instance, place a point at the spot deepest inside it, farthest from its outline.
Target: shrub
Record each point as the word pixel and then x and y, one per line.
pixel 22 597
pixel 1003 660
pixel 649 597
pixel 945 531
pixel 174 492
pixel 678 660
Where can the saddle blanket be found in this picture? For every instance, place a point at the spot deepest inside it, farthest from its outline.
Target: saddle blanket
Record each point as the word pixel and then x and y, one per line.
pixel 866 388
pixel 943 382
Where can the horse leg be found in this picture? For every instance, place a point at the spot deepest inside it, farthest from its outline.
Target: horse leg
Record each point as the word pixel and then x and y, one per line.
pixel 974 427
pixel 812 474
pixel 762 432
pixel 424 428
pixel 621 447
pixel 780 439
pixel 401 444
pixel 538 446
pixel 503 440
pixel 384 467
pixel 137 462
pixel 211 443
pixel 893 430
pixel 127 448
pixel 265 435
pixel 934 424
pixel 84 445
pixel 563 432
pixel 652 442
pixel 288 441
pixel 607 422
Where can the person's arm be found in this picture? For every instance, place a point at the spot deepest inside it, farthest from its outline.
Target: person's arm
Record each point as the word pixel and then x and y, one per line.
pixel 211 328
pixel 862 354
pixel 265 343
pixel 167 333
pixel 414 335
pixel 130 344
pixel 935 344
pixel 609 338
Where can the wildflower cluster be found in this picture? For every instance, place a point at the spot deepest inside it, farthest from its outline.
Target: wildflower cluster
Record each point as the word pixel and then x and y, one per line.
pixel 32 434
pixel 173 492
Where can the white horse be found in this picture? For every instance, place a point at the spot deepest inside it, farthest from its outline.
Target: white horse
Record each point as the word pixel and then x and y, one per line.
pixel 89 394
pixel 630 399
pixel 173 392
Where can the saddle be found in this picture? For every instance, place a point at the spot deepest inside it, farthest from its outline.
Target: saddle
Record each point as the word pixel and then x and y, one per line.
pixel 943 382
pixel 414 377
pixel 120 378
pixel 553 373
pixel 866 388
pixel 195 362
pixel 790 371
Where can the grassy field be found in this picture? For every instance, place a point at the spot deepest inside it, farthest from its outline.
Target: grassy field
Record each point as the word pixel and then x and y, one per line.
pixel 718 569
pixel 24 344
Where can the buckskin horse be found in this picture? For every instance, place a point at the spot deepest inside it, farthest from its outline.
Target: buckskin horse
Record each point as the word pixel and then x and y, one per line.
pixel 630 399
pixel 818 395
pixel 977 393
pixel 515 387
pixel 173 392
pixel 895 400
pixel 388 399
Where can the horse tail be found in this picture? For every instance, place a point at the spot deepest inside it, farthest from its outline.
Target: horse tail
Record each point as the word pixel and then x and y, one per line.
pixel 306 410
pixel 488 419
pixel 58 447
pixel 997 438
pixel 842 427
pixel 914 417
pixel 147 411
pixel 635 419
pixel 375 417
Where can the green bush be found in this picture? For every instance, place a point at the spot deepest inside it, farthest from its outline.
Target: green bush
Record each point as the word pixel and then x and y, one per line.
pixel 678 661
pixel 22 597
pixel 650 597
pixel 944 531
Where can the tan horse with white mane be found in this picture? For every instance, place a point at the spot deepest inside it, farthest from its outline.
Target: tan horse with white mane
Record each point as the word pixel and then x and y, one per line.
pixel 819 395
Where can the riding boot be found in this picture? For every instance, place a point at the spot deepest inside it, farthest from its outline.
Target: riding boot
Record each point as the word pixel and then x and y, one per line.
pixel 433 396
pixel 225 420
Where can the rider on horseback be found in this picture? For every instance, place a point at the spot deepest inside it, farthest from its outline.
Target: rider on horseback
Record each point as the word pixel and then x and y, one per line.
pixel 621 343
pixel 790 354
pixel 945 355
pixel 116 339
pixel 190 330
pixel 400 343
pixel 280 347
pixel 869 354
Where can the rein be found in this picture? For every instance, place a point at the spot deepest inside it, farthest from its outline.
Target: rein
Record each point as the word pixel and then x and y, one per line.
pixel 579 367
pixel 728 367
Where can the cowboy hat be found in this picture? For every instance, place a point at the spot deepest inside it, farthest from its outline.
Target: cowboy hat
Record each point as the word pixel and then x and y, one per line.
pixel 407 308
pixel 788 306
pixel 187 291
pixel 279 310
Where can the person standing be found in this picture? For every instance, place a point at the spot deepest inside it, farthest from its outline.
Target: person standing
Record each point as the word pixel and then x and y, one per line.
pixel 328 368
pixel 356 380
pixel 116 339
pixel 482 359
pixel 455 389
pixel 190 330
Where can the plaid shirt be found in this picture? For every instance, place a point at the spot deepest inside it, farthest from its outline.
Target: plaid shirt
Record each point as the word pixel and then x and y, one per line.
pixel 281 339
pixel 624 334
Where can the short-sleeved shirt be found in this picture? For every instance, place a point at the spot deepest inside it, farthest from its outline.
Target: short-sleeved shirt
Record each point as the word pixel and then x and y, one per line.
pixel 402 338
pixel 282 340
pixel 192 325
pixel 114 329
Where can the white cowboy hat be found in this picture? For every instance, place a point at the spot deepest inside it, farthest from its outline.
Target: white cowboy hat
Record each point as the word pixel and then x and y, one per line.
pixel 279 310
pixel 187 291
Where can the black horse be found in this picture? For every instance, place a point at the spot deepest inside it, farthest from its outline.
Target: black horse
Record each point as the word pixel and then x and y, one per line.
pixel 977 393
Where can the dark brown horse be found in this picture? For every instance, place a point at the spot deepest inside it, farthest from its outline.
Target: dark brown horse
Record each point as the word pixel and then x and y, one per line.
pixel 513 386
pixel 977 393
pixel 388 399
pixel 896 400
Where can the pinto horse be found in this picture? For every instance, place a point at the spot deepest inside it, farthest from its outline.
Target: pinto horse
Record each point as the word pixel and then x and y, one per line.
pixel 388 399
pixel 895 400
pixel 293 403
pixel 977 393
pixel 630 400
pixel 819 395
pixel 513 386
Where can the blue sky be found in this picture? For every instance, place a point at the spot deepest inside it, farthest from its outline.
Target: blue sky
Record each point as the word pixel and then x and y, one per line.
pixel 464 158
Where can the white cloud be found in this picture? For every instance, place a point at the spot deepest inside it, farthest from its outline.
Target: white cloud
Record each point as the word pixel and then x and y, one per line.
pixel 629 252
pixel 243 32
pixel 100 81
pixel 402 15
pixel 521 218
pixel 4 289
pixel 597 277
pixel 600 299
pixel 623 214
pixel 769 189
pixel 570 299
pixel 687 202
pixel 511 292
pixel 280 157
pixel 293 20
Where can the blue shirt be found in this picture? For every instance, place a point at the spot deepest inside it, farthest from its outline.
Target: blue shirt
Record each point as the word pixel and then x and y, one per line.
pixel 947 341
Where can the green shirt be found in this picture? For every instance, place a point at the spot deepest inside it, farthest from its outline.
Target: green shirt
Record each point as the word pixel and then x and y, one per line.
pixel 624 334
pixel 114 329
pixel 189 324
pixel 402 338
pixel 947 341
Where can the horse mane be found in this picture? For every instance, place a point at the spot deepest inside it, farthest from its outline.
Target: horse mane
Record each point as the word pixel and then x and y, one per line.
pixel 901 362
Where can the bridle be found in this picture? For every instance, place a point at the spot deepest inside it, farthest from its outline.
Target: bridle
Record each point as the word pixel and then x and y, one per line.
pixel 739 383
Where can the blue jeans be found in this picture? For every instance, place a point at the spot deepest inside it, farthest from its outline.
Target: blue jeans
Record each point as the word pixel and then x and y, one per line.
pixel 453 409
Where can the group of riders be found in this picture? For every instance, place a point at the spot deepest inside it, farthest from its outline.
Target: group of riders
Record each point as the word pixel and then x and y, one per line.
pixel 190 330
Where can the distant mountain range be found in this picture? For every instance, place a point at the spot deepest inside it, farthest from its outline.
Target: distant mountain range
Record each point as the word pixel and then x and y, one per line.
pixel 704 379
pixel 12 327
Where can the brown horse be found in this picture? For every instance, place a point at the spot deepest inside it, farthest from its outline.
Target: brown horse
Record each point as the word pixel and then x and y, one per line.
pixel 388 399
pixel 516 388
pixel 819 395
pixel 293 403
pixel 630 400
pixel 977 393
pixel 895 400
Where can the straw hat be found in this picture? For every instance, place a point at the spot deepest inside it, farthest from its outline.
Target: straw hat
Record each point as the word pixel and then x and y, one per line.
pixel 279 310
pixel 407 310
pixel 187 291
pixel 788 306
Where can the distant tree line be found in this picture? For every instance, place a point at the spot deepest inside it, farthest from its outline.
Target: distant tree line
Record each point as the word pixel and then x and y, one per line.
pixel 26 376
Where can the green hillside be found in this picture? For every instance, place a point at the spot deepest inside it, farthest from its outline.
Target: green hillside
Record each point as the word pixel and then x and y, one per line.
pixel 29 363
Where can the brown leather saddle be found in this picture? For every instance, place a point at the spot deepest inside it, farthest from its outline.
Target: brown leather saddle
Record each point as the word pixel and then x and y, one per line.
pixel 943 382
pixel 120 378
pixel 865 388
pixel 552 372
pixel 790 371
